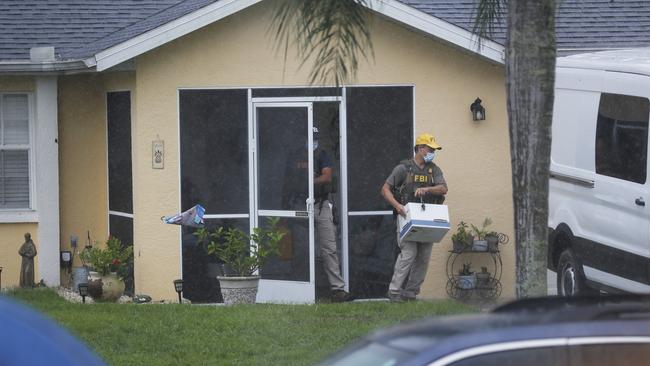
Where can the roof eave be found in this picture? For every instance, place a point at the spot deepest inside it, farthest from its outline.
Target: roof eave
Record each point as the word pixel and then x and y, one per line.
pixel 56 67
pixel 440 29
pixel 179 27
pixel 402 13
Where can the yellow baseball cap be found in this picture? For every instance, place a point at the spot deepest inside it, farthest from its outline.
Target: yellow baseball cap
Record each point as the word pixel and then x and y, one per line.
pixel 427 139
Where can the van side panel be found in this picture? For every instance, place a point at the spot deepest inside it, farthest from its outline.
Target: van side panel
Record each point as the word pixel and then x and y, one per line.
pixel 610 233
pixel 572 150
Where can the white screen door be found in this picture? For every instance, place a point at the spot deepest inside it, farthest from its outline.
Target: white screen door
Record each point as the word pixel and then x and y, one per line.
pixel 282 157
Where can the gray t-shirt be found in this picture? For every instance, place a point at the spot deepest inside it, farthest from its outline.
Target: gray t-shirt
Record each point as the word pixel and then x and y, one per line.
pixel 399 173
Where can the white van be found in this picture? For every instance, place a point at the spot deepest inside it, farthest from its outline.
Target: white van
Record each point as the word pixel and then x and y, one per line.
pixel 599 191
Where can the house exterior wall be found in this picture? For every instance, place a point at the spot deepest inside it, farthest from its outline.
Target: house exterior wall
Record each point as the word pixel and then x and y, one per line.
pixel 83 156
pixel 12 234
pixel 238 52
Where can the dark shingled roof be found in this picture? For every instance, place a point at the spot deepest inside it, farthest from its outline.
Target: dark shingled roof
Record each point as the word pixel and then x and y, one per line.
pixel 580 24
pixel 79 29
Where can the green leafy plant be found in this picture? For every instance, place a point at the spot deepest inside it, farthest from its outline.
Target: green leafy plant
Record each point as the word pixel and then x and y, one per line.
pixel 233 247
pixel 481 233
pixel 114 257
pixel 462 234
pixel 466 270
pixel 492 234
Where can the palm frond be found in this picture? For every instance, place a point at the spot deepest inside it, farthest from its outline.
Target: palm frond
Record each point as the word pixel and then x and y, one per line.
pixel 332 33
pixel 487 15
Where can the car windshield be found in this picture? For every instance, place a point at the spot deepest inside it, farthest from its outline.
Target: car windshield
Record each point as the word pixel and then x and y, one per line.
pixel 371 354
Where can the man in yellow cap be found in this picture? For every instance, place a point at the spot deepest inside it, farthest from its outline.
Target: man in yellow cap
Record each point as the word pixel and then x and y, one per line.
pixel 414 180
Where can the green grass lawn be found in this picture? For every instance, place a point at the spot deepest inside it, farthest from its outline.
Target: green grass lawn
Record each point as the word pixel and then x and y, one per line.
pixel 224 335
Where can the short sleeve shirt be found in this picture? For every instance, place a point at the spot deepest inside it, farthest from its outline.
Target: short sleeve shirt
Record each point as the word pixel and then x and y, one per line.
pixel 399 173
pixel 323 161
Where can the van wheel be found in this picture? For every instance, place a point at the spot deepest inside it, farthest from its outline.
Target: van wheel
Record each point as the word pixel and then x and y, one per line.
pixel 570 278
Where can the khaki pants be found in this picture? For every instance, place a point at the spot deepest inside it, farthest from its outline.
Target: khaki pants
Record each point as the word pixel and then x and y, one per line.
pixel 412 262
pixel 326 239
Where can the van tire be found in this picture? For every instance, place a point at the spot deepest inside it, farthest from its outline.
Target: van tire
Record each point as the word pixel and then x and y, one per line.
pixel 570 276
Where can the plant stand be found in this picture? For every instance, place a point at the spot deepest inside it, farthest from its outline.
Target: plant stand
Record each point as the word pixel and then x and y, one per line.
pixel 486 286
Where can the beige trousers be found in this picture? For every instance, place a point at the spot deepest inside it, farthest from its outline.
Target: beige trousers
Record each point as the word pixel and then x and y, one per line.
pixel 326 239
pixel 412 262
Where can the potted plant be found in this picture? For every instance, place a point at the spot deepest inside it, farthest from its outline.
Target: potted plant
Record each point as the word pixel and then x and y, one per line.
pixel 243 255
pixel 462 238
pixel 480 243
pixel 483 278
pixel 466 277
pixel 109 266
pixel 492 239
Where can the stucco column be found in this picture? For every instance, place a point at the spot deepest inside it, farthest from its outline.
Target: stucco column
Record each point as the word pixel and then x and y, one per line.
pixel 46 150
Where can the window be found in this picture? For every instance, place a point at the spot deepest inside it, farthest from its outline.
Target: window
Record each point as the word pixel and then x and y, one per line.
pixel 610 354
pixel 14 151
pixel 544 356
pixel 622 137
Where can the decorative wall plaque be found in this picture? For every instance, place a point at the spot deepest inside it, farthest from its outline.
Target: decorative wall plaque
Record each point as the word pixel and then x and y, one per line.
pixel 158 154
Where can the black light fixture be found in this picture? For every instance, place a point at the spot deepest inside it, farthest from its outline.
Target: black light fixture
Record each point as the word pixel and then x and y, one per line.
pixel 0 278
pixel 478 112
pixel 83 291
pixel 178 286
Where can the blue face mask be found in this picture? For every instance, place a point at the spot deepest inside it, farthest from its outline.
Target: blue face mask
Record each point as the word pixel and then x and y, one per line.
pixel 429 157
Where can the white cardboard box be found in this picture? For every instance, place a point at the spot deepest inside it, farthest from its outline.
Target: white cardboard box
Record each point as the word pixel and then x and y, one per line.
pixel 424 222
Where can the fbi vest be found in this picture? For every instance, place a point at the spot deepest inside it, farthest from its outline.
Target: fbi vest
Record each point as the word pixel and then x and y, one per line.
pixel 417 178
pixel 296 174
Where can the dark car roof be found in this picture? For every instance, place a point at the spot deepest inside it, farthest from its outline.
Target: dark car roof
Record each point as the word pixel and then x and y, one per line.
pixel 528 319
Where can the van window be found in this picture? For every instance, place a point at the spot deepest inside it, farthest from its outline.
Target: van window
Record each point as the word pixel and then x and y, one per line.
pixel 622 137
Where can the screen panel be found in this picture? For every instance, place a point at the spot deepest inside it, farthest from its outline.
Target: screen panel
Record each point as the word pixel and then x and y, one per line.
pixel 296 92
pixel 372 253
pixel 379 136
pixel 214 150
pixel 200 270
pixel 120 181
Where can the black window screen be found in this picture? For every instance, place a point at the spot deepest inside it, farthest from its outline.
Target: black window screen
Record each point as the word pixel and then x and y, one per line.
pixel 296 92
pixel 214 150
pixel 380 135
pixel 122 228
pixel 622 137
pixel 200 270
pixel 120 187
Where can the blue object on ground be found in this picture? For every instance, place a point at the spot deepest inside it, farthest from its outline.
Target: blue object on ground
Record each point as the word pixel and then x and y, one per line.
pixel 28 338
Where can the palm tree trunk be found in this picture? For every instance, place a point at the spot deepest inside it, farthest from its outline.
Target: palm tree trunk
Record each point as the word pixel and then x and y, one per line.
pixel 530 76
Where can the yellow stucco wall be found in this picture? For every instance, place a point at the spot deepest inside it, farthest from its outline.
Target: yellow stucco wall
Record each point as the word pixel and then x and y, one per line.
pixel 11 235
pixel 83 156
pixel 238 52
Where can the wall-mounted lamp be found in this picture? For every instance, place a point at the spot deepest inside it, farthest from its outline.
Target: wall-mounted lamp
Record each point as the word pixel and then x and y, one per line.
pixel 73 241
pixel 83 291
pixel 178 286
pixel 478 112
